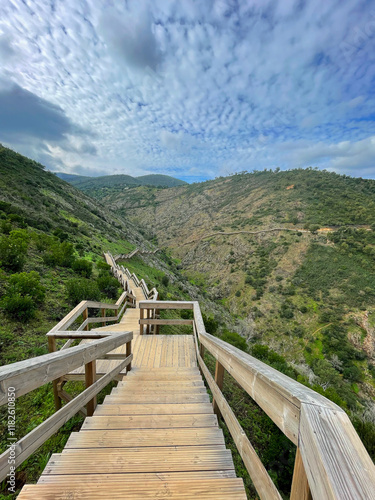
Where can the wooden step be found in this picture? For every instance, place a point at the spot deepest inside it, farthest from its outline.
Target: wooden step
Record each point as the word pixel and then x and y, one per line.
pixel 162 377
pixel 153 409
pixel 157 390
pixel 157 398
pixel 149 422
pixel 207 489
pixel 146 437
pixel 128 460
pixel 78 479
pixel 164 384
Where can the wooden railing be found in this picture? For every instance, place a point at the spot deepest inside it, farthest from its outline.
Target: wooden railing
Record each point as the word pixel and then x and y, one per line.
pixel 20 378
pixel 331 461
pixel 131 254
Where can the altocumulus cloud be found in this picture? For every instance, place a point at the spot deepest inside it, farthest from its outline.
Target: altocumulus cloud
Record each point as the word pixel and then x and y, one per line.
pixel 193 89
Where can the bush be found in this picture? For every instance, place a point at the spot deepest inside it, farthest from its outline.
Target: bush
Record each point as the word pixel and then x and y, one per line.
pixel 108 285
pixel 83 267
pixel 18 307
pixel 60 254
pixel 235 339
pixel 210 324
pixel 165 280
pixel 13 250
pixel 82 289
pixel 27 284
pixel 23 295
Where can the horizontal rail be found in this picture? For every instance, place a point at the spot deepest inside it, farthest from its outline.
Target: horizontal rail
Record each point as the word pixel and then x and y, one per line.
pixel 32 441
pixel 334 459
pixel 80 335
pixel 161 304
pixel 166 322
pixel 27 375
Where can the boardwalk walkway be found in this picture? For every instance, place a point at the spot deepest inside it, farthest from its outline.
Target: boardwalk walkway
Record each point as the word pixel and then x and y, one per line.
pixel 154 436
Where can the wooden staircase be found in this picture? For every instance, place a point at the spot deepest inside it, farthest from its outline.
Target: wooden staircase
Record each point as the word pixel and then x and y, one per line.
pixel 155 436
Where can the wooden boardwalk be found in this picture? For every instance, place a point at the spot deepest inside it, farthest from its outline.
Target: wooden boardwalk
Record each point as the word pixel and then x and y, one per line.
pixel 154 436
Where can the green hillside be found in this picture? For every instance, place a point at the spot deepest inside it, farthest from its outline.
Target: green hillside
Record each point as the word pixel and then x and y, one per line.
pixel 299 298
pixel 160 180
pixel 102 186
pixel 291 256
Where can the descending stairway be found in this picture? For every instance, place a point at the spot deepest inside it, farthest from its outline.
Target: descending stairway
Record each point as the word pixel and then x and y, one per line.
pixel 155 436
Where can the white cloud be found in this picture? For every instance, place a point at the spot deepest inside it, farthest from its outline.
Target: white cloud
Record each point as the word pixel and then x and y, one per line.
pixel 198 87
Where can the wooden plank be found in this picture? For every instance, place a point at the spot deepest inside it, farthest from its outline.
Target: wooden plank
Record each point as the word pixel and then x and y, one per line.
pixel 153 409
pixel 79 335
pixel 165 304
pixel 90 377
pixel 169 389
pixel 300 484
pixel 139 476
pixel 158 398
pixel 207 489
pixel 124 460
pixel 163 384
pixel 166 321
pixel 337 464
pixel 149 422
pixel 219 380
pixel 148 437
pixel 32 373
pixel 158 351
pixel 262 481
pixel 32 441
pixel 56 397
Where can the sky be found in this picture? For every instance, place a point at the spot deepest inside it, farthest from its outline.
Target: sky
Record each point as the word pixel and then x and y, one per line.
pixel 193 89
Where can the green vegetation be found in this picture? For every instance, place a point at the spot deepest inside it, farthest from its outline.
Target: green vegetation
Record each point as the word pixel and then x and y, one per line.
pixel 98 187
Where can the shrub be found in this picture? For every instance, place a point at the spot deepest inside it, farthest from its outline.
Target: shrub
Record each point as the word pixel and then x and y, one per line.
pixel 108 285
pixel 165 280
pixel 82 289
pixel 238 293
pixel 235 339
pixel 23 295
pixel 18 307
pixel 27 284
pixel 82 267
pixel 60 254
pixel 13 250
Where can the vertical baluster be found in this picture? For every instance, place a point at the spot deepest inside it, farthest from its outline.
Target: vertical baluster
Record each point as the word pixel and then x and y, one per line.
pixel 90 375
pixel 56 397
pixel 300 484
pixel 219 379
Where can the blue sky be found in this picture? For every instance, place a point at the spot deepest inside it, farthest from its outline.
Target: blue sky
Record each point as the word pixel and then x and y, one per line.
pixel 194 89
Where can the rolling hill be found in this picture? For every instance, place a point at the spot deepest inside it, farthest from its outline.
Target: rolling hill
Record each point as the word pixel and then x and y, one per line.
pixel 291 255
pixel 99 187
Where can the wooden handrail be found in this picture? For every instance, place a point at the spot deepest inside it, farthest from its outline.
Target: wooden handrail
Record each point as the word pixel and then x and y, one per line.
pixel 331 460
pixel 32 441
pixel 30 374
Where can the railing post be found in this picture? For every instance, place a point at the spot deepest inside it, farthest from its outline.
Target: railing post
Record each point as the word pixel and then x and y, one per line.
pixel 148 327
pixel 103 316
pixel 300 484
pixel 56 397
pixel 128 353
pixel 85 315
pixel 90 376
pixel 141 315
pixel 157 316
pixel 201 350
pixel 219 379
